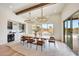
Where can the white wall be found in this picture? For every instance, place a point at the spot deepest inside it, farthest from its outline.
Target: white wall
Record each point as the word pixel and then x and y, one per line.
pixel 57 22
pixel 3 23
pixel 5 15
pixel 68 10
pixel 29 28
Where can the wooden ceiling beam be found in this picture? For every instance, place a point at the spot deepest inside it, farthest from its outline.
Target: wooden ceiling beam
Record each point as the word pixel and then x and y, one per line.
pixel 31 8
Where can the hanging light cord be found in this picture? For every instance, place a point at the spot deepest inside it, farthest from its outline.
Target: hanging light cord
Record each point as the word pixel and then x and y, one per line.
pixel 41 11
pixel 30 15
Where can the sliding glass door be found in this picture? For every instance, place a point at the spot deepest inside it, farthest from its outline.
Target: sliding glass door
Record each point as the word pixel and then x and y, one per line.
pixel 71 33
pixel 68 33
pixel 75 35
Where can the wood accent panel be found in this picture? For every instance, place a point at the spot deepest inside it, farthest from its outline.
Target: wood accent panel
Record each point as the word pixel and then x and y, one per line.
pixel 31 8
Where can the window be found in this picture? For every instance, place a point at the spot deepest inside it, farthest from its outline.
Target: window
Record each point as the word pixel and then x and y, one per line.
pixel 45 31
pixel 75 23
pixel 50 26
pixel 44 26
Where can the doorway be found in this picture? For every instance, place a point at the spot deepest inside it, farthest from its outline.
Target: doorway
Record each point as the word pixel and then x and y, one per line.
pixel 71 33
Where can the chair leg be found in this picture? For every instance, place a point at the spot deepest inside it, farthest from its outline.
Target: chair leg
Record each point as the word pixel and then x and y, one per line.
pixel 20 41
pixel 49 44
pixel 27 44
pixel 30 45
pixel 54 43
pixel 44 45
pixel 23 42
pixel 36 47
pixel 41 48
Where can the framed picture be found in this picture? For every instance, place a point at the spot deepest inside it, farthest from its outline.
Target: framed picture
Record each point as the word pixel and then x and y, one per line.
pixel 10 25
pixel 21 27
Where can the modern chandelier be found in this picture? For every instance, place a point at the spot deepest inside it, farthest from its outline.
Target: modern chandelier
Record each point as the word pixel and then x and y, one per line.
pixel 38 20
pixel 30 19
pixel 42 18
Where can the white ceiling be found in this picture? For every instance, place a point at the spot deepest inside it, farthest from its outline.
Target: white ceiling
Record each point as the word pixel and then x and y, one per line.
pixel 20 6
pixel 48 11
pixel 76 15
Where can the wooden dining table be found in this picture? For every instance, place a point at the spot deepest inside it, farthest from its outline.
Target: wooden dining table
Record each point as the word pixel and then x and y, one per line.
pixel 34 41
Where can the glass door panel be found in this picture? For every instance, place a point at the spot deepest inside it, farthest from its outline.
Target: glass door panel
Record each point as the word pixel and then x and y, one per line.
pixel 65 29
pixel 68 33
pixel 75 35
pixel 71 31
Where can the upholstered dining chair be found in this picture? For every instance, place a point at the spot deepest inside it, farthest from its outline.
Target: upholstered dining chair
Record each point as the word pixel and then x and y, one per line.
pixel 51 40
pixel 30 41
pixel 40 43
pixel 23 39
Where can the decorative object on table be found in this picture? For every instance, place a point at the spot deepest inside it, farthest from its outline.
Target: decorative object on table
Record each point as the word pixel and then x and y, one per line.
pixel 51 30
pixel 36 29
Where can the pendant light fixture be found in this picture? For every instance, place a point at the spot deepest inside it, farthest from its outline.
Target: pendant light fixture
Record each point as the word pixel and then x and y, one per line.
pixel 29 19
pixel 41 19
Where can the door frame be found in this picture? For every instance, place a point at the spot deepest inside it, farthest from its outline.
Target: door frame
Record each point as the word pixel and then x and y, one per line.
pixel 67 33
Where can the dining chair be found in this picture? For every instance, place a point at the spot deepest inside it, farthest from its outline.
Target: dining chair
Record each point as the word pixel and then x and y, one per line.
pixel 51 40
